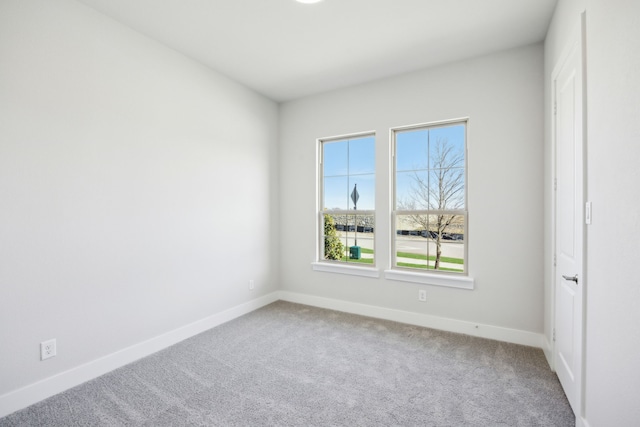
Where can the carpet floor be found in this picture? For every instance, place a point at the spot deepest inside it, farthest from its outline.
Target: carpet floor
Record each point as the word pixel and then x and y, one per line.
pixel 294 365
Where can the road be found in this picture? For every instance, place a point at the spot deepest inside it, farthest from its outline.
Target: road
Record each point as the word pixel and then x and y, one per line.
pixel 411 244
pixel 418 245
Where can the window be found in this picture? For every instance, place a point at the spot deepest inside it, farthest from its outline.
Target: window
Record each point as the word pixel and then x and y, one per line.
pixel 347 200
pixel 429 212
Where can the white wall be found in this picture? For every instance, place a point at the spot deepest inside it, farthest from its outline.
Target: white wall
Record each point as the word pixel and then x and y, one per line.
pixel 502 94
pixel 137 189
pixel 613 295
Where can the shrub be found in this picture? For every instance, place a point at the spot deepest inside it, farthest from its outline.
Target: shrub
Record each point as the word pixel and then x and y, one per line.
pixel 333 247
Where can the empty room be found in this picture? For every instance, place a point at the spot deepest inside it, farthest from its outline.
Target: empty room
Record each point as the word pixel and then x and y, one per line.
pixel 329 212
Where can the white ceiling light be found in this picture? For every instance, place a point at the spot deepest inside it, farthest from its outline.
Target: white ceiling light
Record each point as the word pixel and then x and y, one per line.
pixel 308 1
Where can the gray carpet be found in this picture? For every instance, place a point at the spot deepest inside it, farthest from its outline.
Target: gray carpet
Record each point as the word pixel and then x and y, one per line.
pixel 293 365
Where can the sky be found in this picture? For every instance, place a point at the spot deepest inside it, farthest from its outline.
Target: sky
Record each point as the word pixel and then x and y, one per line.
pixel 417 155
pixel 349 162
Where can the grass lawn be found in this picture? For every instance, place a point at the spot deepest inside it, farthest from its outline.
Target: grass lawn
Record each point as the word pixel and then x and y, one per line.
pixel 408 264
pixel 361 260
pixel 431 258
pixel 429 267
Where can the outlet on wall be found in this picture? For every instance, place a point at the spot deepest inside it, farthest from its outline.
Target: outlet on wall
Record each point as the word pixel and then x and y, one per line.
pixel 422 295
pixel 47 349
pixel 252 285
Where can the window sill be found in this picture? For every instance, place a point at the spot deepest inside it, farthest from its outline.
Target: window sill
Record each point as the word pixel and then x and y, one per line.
pixel 345 269
pixel 451 281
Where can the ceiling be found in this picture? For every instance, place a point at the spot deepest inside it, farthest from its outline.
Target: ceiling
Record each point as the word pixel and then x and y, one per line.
pixel 287 50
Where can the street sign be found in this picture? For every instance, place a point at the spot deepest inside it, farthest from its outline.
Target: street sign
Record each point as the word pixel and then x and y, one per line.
pixel 355 196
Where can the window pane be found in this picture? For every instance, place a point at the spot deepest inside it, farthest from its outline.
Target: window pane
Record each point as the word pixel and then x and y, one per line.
pixel 412 190
pixel 434 242
pixel 446 188
pixel 362 156
pixel 412 249
pixel 336 193
pixel 335 156
pixel 366 187
pixel 334 240
pixel 448 232
pixel 411 150
pixel 359 234
pixel 447 147
pixel 344 232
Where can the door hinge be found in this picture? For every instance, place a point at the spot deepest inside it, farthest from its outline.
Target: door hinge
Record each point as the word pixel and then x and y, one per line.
pixel 555 260
pixel 554 334
pixel 555 184
pixel 555 108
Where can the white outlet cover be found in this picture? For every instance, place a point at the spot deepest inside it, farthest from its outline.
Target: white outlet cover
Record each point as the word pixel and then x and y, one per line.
pixel 47 349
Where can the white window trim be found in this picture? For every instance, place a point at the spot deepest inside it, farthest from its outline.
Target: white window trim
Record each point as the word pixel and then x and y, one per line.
pixel 345 268
pixel 437 279
pixel 444 278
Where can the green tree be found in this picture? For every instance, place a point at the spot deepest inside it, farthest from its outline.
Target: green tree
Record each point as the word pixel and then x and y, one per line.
pixel 333 248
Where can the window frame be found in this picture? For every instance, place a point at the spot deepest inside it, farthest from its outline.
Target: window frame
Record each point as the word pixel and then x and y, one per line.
pixel 416 275
pixel 338 266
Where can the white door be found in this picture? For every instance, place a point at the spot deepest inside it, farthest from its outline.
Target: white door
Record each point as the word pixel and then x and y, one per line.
pixel 568 134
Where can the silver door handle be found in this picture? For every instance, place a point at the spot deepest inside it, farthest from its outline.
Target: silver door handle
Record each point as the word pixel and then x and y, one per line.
pixel 573 279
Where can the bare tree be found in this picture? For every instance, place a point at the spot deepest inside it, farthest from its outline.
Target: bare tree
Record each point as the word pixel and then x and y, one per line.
pixel 441 190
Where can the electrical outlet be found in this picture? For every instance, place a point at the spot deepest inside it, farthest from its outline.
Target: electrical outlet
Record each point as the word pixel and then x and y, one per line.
pixel 47 349
pixel 422 295
pixel 252 285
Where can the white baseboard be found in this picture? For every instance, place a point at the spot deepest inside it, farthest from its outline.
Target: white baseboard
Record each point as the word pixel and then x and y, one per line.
pixel 581 422
pixel 452 325
pixel 33 393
